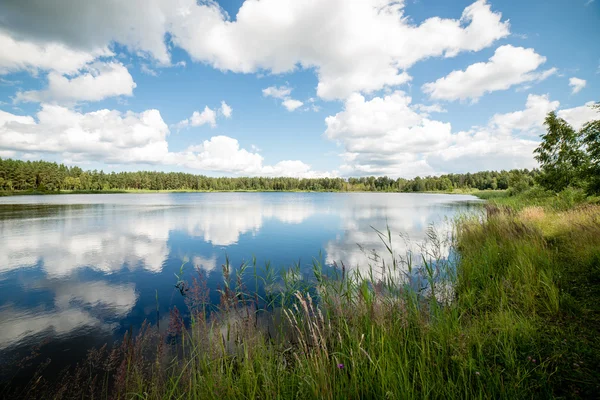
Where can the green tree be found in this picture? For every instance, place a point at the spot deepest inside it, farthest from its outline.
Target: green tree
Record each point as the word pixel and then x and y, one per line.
pixel 591 139
pixel 560 155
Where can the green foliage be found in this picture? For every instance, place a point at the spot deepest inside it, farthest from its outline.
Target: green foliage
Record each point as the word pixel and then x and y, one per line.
pixel 519 183
pixel 591 139
pixel 568 158
pixel 50 177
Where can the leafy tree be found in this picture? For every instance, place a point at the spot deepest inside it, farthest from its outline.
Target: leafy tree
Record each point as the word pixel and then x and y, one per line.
pixel 560 154
pixel 591 139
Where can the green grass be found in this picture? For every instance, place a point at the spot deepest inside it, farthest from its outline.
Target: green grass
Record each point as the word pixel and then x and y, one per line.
pixel 537 197
pixel 517 316
pixel 490 194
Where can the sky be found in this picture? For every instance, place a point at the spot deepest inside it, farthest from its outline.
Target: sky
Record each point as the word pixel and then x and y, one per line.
pixel 302 88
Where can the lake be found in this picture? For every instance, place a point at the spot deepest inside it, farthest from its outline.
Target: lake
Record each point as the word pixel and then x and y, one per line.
pixel 78 271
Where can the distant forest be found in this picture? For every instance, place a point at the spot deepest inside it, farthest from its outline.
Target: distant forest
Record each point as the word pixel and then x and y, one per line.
pixel 43 176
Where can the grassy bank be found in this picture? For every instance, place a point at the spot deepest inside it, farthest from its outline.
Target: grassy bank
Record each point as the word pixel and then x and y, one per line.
pixel 517 315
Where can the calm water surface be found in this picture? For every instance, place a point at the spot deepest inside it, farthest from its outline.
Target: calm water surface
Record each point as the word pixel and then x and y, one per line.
pixel 79 270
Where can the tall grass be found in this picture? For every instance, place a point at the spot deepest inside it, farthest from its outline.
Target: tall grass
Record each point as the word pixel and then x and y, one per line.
pixel 515 315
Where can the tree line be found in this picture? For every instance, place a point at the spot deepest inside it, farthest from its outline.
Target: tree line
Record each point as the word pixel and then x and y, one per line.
pixel 43 176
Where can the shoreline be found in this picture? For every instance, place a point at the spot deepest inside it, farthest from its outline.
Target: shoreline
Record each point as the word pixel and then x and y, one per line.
pixel 482 194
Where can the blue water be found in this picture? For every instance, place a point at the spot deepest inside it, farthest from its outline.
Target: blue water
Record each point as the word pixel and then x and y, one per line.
pixel 78 271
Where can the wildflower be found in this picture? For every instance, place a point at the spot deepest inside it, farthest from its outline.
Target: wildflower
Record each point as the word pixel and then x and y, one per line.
pixel 477 373
pixel 533 361
pixel 340 366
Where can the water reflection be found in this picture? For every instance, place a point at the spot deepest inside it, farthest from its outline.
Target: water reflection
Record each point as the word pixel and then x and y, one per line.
pixel 108 237
pixel 18 324
pixel 409 222
pixel 71 266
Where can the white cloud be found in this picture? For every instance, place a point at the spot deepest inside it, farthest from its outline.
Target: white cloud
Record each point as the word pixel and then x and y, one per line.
pixel 367 45
pixel 291 104
pixel 19 55
pixel 115 137
pixel 294 168
pixel 221 153
pixel 7 153
pixel 100 81
pixel 434 108
pixel 280 92
pixel 481 149
pixel 226 110
pixel 207 116
pixel 388 135
pixel 109 136
pixel 508 66
pixel 283 93
pixel 577 84
pixel 351 52
pixel 530 120
pixel 578 116
pixel 388 122
pixel 147 70
pixel 385 135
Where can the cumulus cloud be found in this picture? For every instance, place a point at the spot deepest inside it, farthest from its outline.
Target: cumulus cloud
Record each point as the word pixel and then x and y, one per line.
pixel 17 55
pixel 115 137
pixel 106 135
pixel 98 82
pixel 221 153
pixel 207 116
pixel 291 104
pixel 433 108
pixel 384 135
pixel 508 66
pixel 283 93
pixel 390 136
pixel 577 84
pixel 578 116
pixel 352 52
pixel 225 110
pixel 530 120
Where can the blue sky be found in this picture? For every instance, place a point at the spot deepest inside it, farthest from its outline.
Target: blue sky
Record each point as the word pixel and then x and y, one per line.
pixel 293 87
